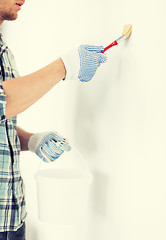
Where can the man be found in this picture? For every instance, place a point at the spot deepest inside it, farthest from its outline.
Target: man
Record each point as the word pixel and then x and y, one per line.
pixel 16 95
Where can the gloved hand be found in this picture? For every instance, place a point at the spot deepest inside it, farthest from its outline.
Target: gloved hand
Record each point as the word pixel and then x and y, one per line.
pixel 83 62
pixel 48 146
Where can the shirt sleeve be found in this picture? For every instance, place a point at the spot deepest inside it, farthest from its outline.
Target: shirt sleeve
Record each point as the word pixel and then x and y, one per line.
pixel 2 104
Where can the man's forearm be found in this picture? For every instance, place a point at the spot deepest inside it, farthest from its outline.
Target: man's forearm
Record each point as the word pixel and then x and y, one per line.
pixel 24 138
pixel 22 92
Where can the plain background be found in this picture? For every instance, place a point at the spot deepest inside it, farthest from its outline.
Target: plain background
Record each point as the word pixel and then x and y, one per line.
pixel 117 121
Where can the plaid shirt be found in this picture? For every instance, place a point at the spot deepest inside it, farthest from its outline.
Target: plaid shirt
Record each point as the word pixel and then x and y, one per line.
pixel 12 200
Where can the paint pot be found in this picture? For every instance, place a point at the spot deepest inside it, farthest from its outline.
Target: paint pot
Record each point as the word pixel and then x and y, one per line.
pixel 63 194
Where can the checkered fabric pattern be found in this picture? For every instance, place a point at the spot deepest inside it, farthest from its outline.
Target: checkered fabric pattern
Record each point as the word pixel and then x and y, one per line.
pixel 12 197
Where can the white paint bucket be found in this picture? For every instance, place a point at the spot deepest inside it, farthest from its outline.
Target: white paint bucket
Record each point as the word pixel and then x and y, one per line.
pixel 63 194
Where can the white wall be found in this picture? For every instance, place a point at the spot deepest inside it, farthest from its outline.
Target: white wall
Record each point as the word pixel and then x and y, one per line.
pixel 117 120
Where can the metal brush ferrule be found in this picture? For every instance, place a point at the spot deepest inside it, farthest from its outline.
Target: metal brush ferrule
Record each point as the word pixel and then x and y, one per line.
pixel 123 37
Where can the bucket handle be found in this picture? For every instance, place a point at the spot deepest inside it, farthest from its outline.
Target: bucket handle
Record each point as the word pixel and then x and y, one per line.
pixel 84 165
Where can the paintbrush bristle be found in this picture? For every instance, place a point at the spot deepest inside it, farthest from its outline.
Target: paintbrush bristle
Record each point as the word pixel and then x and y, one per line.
pixel 127 30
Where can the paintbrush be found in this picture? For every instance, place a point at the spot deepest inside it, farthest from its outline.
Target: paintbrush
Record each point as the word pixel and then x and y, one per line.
pixel 126 33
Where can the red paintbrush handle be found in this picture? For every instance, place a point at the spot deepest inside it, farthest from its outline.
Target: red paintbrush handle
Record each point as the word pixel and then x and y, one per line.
pixel 109 46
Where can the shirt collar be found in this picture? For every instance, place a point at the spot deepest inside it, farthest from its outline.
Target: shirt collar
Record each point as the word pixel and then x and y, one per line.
pixel 3 45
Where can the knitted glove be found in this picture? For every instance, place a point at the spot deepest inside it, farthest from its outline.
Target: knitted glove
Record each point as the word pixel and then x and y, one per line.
pixel 83 62
pixel 48 146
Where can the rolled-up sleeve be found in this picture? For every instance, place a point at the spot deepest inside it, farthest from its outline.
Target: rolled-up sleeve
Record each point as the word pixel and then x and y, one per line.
pixel 2 104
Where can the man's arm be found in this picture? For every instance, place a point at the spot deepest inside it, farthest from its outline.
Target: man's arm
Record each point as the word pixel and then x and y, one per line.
pixel 22 92
pixel 24 138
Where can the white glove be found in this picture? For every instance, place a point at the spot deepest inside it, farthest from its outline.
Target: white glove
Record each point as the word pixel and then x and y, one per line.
pixel 48 146
pixel 83 62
